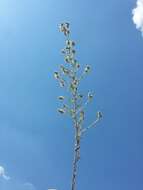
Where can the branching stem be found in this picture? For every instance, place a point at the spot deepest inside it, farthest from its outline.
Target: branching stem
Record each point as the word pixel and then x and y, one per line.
pixel 93 124
pixel 76 107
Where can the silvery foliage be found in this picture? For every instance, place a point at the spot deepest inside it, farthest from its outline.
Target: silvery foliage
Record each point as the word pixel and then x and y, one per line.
pixel 69 76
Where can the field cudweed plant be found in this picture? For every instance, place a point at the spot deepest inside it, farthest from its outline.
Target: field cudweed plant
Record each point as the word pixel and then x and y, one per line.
pixel 69 77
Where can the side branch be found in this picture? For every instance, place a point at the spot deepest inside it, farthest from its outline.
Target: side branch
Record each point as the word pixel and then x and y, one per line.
pixel 93 124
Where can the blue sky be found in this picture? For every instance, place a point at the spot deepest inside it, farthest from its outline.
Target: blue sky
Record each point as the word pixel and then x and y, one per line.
pixel 36 143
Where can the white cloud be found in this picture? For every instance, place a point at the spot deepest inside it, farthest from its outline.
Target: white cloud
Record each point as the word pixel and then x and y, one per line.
pixel 2 173
pixel 138 15
pixel 29 186
pixel 12 184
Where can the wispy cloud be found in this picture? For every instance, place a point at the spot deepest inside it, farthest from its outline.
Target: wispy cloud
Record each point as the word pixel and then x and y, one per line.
pixel 138 15
pixel 29 186
pixel 14 184
pixel 2 173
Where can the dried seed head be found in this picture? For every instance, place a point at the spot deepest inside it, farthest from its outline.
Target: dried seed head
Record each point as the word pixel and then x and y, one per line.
pixel 99 115
pixel 64 27
pixel 90 96
pixel 78 65
pixel 60 110
pixel 61 97
pixel 67 24
pixel 73 43
pixel 87 69
pixel 61 26
pixel 56 75
pixel 66 32
pixel 63 51
pixel 74 62
pixel 64 70
pixel 73 51
pixel 80 96
pixel 62 83
pixel 75 82
pixel 67 59
pixel 70 43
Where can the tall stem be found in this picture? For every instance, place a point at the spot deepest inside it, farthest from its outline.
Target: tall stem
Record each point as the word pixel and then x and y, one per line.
pixel 75 163
pixel 76 144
